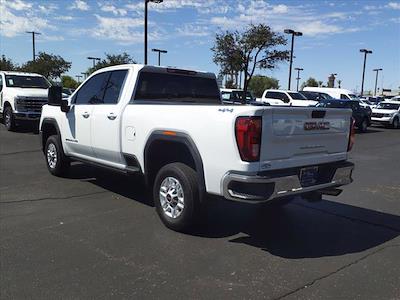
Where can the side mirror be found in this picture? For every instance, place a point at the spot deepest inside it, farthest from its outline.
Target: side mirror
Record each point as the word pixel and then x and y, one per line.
pixel 64 106
pixel 54 95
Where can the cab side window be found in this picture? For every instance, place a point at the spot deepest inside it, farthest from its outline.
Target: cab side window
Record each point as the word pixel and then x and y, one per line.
pixel 114 86
pixel 343 96
pixel 93 90
pixel 284 98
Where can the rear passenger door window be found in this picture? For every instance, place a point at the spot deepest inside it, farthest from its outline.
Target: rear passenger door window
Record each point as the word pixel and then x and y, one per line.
pixel 114 86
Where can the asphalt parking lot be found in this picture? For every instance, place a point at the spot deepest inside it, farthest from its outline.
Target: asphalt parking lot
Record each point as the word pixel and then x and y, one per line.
pixel 96 235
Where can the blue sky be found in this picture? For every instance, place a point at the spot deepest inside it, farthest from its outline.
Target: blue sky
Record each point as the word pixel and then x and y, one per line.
pixel 334 31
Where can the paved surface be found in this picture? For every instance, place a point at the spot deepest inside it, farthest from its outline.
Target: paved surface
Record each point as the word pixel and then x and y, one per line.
pixel 95 235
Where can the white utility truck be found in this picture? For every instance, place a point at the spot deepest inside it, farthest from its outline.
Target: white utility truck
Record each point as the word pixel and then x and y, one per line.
pixel 170 126
pixel 22 96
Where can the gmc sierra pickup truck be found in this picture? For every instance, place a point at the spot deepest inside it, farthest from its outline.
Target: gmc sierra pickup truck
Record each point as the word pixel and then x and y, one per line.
pixel 170 126
pixel 22 96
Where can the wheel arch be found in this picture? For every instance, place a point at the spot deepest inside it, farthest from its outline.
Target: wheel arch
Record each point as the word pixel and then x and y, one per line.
pixel 48 127
pixel 179 141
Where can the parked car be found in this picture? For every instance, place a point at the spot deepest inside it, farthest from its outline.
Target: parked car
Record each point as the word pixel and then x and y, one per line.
pixel 361 115
pixel 395 98
pixel 170 126
pixel 316 96
pixel 235 96
pixel 335 93
pixel 22 96
pixel 387 113
pixel 281 97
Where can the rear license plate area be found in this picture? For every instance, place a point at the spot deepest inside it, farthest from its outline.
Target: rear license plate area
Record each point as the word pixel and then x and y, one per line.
pixel 308 176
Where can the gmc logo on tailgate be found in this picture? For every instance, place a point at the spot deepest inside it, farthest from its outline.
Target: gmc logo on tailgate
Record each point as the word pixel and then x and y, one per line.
pixel 316 125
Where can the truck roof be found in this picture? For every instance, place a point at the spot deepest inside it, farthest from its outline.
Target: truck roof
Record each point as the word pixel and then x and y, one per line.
pixel 158 69
pixel 20 73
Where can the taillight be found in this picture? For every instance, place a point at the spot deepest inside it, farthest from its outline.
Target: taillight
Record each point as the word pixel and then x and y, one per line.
pixel 248 137
pixel 352 135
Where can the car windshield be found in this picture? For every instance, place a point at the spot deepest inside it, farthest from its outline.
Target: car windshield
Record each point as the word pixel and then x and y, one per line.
pixel 27 81
pixel 297 96
pixel 393 106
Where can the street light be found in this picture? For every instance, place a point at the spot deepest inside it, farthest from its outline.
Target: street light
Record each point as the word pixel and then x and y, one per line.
pixel 145 26
pixel 94 60
pixel 298 76
pixel 78 77
pixel 376 79
pixel 159 54
pixel 33 42
pixel 365 51
pixel 293 33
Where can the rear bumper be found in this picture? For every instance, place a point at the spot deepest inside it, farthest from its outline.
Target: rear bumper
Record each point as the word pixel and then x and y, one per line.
pixel 283 183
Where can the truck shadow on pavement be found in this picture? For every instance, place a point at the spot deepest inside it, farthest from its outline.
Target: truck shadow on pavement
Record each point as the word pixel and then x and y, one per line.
pixel 304 230
pixel 297 230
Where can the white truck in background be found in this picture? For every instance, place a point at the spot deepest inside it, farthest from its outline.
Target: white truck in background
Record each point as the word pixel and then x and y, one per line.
pixel 22 96
pixel 336 93
pixel 282 97
pixel 170 126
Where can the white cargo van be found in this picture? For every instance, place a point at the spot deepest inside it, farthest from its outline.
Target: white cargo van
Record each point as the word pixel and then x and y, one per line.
pixel 333 92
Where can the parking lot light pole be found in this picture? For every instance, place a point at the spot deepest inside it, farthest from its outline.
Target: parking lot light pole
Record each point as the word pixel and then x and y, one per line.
pixel 298 76
pixel 33 42
pixel 146 2
pixel 376 78
pixel 94 60
pixel 365 51
pixel 293 33
pixel 159 54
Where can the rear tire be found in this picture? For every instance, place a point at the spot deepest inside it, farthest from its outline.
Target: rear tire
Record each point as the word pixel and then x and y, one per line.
pixel 9 119
pixel 177 197
pixel 57 163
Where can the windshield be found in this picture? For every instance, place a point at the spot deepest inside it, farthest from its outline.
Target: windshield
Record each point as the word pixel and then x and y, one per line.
pixel 393 106
pixel 297 96
pixel 27 81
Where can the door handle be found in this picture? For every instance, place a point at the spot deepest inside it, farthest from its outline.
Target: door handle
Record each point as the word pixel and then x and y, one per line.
pixel 85 115
pixel 111 116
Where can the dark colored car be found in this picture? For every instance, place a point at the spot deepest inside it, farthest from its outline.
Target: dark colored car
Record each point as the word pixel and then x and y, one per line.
pixel 361 115
pixel 236 97
pixel 316 96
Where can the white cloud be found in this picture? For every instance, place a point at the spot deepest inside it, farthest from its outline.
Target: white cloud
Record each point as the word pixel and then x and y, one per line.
pixel 17 4
pixel 65 18
pixel 393 5
pixel 280 9
pixel 12 24
pixel 111 8
pixel 80 5
pixel 194 30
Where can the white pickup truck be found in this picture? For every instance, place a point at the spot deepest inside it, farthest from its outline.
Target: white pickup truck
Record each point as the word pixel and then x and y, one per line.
pixel 22 96
pixel 281 97
pixel 169 125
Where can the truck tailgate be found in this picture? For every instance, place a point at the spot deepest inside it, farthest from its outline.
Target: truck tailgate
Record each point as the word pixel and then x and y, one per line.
pixel 296 136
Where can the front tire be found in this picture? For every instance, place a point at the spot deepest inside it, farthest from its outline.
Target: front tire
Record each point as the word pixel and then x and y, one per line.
pixel 9 119
pixel 396 123
pixel 57 163
pixel 177 197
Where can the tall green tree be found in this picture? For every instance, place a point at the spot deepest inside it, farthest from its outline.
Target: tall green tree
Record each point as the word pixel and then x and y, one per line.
pixel 258 84
pixel 310 82
pixel 6 64
pixel 255 48
pixel 69 82
pixel 48 65
pixel 113 60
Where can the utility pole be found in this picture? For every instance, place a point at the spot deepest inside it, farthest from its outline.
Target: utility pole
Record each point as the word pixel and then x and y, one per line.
pixel 298 76
pixel 84 75
pixel 33 42
pixel 293 33
pixel 78 77
pixel 159 54
pixel 94 60
pixel 365 51
pixel 376 79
